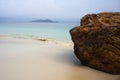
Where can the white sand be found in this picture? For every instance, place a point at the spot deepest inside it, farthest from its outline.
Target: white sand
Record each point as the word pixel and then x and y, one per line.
pixel 28 59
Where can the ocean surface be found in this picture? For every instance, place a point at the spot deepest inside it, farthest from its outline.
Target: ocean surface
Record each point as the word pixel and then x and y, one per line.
pixel 57 31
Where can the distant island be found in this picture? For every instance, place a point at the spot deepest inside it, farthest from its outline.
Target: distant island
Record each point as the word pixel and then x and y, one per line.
pixel 44 21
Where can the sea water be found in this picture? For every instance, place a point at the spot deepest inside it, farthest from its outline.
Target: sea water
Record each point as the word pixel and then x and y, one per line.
pixel 57 31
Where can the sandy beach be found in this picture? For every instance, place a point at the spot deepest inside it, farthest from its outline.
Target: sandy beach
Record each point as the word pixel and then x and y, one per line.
pixel 32 59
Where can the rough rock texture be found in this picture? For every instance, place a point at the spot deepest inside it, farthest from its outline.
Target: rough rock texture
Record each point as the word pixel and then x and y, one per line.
pixel 97 41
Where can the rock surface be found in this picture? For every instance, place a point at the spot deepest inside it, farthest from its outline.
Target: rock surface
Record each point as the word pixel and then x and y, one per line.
pixel 97 41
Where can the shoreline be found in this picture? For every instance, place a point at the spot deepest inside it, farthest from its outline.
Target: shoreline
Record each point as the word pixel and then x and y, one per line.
pixel 32 37
pixel 34 59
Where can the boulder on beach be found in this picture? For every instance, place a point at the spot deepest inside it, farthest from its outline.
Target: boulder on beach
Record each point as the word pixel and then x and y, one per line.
pixel 97 41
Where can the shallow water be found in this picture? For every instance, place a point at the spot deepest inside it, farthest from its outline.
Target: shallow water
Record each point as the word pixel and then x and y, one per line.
pixel 58 31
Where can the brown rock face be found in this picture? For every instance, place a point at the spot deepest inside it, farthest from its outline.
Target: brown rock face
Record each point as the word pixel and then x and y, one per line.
pixel 97 41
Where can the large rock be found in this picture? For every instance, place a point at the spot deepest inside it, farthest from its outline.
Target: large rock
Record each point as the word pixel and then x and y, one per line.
pixel 97 41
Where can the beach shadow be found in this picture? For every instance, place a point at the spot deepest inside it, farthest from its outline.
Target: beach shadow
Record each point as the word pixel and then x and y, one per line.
pixel 118 78
pixel 68 57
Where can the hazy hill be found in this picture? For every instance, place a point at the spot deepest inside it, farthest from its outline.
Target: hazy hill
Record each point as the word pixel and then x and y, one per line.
pixel 44 20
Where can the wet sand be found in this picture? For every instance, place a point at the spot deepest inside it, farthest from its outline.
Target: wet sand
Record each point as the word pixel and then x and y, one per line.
pixel 29 59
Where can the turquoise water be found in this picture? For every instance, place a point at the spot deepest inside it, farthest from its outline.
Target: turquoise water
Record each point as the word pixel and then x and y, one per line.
pixel 58 31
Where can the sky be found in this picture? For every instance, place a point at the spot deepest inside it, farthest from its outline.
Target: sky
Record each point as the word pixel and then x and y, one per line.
pixel 64 9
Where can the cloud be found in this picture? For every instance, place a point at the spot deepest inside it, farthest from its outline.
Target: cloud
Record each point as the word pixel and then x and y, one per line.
pixel 55 8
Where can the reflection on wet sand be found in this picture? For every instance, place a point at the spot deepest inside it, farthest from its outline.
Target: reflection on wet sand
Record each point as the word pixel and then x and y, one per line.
pixel 77 71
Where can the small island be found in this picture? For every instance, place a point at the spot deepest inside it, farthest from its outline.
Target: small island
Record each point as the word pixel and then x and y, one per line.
pixel 44 21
